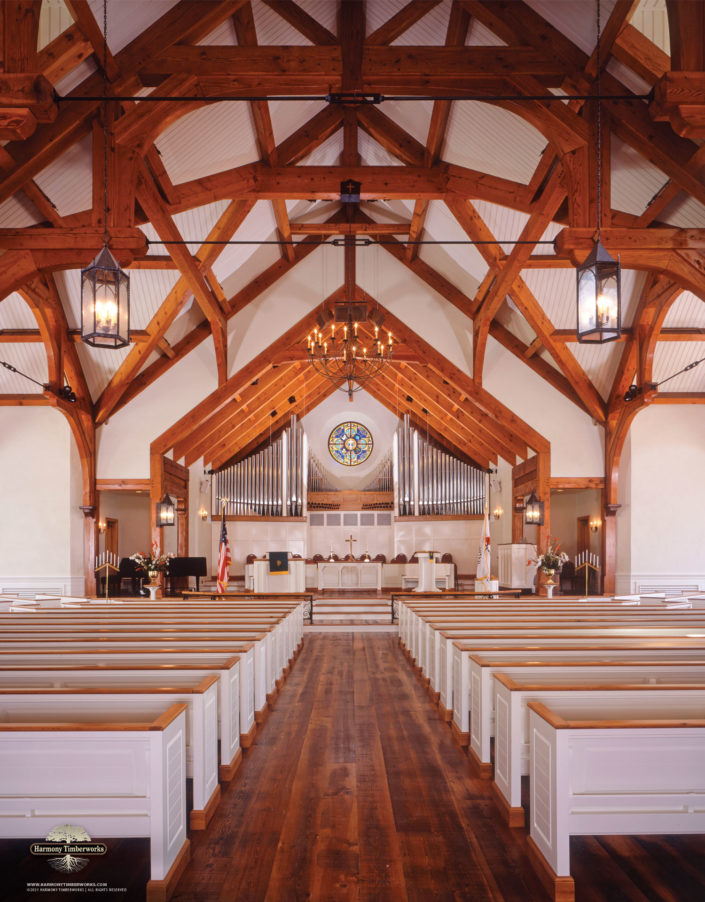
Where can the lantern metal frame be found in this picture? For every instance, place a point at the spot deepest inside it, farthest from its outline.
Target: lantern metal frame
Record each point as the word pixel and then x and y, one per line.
pixel 599 297
pixel 105 303
pixel 534 511
pixel 165 511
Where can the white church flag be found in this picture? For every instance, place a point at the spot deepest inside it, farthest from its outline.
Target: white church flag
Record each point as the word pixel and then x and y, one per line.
pixel 483 557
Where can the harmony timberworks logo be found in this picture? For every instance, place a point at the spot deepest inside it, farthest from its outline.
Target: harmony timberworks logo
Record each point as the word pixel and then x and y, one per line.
pixel 70 848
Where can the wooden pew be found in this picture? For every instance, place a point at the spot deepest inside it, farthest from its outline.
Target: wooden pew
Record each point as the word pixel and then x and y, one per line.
pixel 473 696
pixel 111 657
pixel 511 750
pixel 125 777
pixel 223 643
pixel 624 772
pixel 226 670
pixel 116 701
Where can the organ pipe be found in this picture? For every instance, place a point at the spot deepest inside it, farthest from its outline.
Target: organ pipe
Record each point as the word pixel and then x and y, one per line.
pixel 269 483
pixel 431 481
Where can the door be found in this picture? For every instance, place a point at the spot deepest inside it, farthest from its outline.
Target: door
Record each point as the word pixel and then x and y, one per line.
pixel 111 536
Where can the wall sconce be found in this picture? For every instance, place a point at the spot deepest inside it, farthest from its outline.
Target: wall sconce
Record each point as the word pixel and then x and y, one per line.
pixel 595 524
pixel 519 506
pixel 165 511
pixel 534 512
pixel 497 513
pixel 102 525
pixel 203 513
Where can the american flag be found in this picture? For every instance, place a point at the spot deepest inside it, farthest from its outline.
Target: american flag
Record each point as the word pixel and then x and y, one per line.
pixel 224 559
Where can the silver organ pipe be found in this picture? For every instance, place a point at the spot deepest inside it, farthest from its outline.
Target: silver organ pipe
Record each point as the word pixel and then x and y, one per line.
pixel 269 483
pixel 443 484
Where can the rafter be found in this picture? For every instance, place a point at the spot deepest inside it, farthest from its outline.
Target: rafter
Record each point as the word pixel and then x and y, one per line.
pixel 456 33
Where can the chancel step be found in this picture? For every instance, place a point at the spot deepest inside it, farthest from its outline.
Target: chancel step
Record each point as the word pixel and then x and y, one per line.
pixel 351 609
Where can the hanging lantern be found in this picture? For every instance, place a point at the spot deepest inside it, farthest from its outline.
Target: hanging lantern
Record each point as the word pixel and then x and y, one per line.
pixel 599 297
pixel 165 511
pixel 105 303
pixel 533 513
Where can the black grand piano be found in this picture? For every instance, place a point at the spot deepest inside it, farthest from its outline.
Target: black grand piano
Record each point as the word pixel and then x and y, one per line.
pixel 180 569
pixel 176 579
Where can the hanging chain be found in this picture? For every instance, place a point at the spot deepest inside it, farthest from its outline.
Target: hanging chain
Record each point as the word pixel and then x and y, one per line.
pixel 599 128
pixel 105 122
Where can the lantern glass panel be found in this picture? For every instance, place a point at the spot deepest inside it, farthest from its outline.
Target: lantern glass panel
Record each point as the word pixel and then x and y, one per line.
pixel 105 303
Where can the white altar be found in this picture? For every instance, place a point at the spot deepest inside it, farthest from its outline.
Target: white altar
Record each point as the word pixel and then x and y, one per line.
pixel 259 579
pixel 349 575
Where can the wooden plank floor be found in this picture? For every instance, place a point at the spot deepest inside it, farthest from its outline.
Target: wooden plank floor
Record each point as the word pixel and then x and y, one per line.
pixel 355 791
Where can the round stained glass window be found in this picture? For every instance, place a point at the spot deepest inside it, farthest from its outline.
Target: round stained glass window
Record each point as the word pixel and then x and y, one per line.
pixel 350 444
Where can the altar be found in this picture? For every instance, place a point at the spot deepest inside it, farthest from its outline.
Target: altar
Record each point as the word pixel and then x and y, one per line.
pixel 348 575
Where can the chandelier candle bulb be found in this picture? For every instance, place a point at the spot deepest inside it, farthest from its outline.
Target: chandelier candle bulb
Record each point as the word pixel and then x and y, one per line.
pixel 355 327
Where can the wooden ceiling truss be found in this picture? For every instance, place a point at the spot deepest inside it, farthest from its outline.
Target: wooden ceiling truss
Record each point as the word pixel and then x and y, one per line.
pixel 169 59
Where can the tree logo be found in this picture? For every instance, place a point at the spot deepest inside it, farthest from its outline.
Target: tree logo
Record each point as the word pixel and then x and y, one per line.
pixel 70 848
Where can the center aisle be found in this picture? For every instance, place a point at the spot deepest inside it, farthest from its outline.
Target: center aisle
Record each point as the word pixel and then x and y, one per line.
pixel 353 791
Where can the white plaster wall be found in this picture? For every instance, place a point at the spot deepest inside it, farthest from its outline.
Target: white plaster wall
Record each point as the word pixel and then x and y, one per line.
pixel 123 442
pixel 576 442
pixel 40 488
pixel 331 536
pixel 337 409
pixel 665 503
pixel 566 507
pixel 257 537
pixel 461 538
pixel 623 581
pixel 131 510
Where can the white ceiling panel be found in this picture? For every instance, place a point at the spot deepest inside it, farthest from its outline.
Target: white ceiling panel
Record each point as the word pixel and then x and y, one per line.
pixel 289 115
pixel 148 290
pixel 575 20
pixel 635 181
pixel 99 365
pixel 555 291
pixel 599 362
pixel 430 29
pixel 326 154
pixel 686 311
pixel 632 286
pixel 212 139
pixel 373 154
pixel 18 211
pixel 223 36
pixel 684 213
pixel 75 77
pixel 197 223
pixel 54 18
pixel 503 223
pixel 67 181
pixel 15 313
pixel 378 12
pixel 672 356
pixel 29 358
pixel 414 118
pixel 128 18
pixel 651 19
pixel 272 29
pixel 259 225
pixel 485 137
pixel 462 264
pixel 481 36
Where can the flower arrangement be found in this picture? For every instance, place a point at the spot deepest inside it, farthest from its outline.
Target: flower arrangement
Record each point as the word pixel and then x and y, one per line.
pixel 552 558
pixel 152 562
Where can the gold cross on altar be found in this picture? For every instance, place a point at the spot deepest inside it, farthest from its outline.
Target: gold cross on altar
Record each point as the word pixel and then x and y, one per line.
pixel 351 540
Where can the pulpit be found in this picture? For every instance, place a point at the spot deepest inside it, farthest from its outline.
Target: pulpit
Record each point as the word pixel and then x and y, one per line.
pixel 427 571
pixel 263 580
